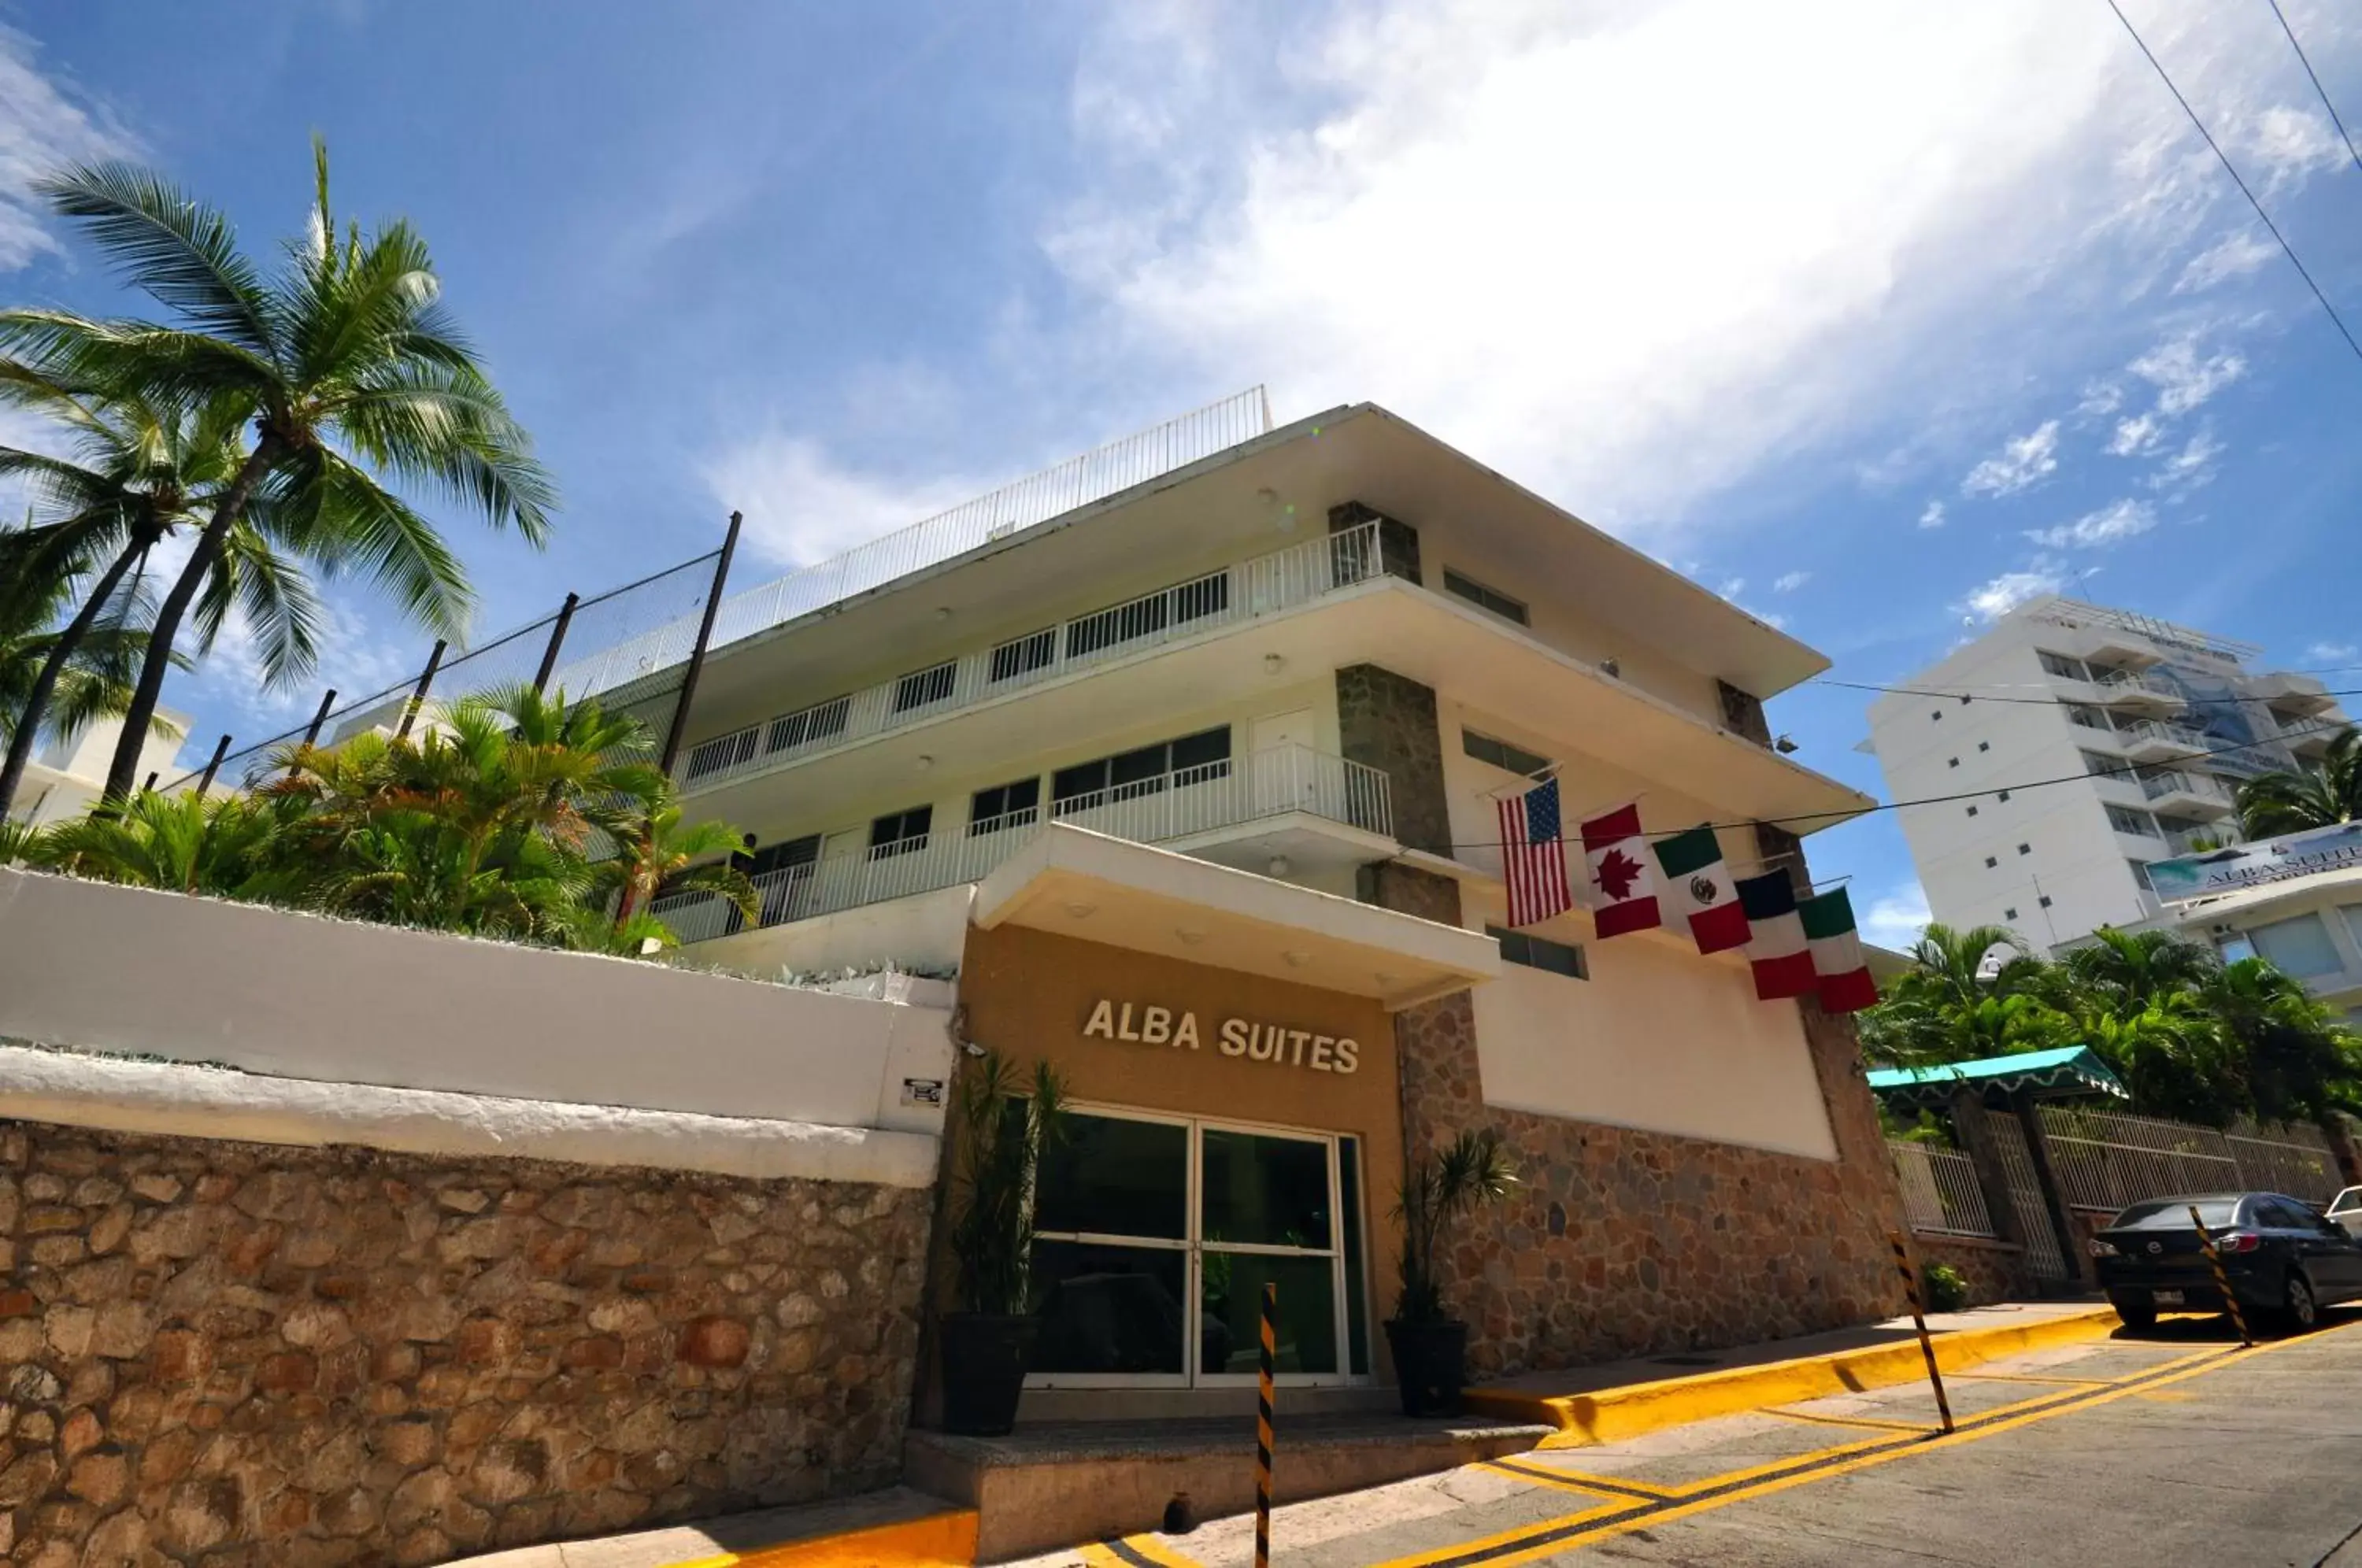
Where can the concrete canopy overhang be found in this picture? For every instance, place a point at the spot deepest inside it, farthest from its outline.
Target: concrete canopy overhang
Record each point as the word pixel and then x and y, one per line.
pixel 1097 889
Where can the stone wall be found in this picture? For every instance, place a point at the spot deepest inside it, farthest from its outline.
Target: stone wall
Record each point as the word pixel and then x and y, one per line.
pixel 242 1353
pixel 1622 1242
pixel 1995 1270
pixel 1388 722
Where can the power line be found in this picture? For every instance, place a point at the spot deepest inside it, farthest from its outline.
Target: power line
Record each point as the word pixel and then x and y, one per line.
pixel 2355 153
pixel 1986 695
pixel 2286 249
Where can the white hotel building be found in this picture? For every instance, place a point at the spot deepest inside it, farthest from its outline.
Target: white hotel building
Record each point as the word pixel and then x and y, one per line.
pixel 2155 725
pixel 1280 686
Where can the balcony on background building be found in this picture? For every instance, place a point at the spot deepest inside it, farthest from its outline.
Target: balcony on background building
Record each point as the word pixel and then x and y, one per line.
pixel 2187 794
pixel 1284 809
pixel 1284 580
pixel 2199 840
pixel 2134 692
pixel 2291 692
pixel 2151 741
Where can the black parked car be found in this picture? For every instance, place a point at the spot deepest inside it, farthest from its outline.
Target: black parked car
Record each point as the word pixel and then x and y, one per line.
pixel 2282 1258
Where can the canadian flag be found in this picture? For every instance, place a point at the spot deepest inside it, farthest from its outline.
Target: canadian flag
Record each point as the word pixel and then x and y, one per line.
pixel 1618 856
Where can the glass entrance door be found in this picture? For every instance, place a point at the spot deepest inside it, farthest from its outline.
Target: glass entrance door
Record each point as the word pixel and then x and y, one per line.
pixel 1154 1238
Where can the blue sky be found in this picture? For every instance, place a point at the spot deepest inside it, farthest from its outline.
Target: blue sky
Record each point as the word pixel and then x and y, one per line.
pixel 1877 318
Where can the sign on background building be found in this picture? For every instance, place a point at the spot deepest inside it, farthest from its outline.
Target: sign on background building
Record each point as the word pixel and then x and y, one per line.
pixel 2251 865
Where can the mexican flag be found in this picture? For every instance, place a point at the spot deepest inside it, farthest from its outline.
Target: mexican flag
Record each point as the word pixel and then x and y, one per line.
pixel 1614 849
pixel 1844 983
pixel 1697 889
pixel 1776 948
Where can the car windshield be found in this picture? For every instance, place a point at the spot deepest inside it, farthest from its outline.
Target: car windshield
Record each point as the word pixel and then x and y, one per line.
pixel 2346 1202
pixel 2173 1213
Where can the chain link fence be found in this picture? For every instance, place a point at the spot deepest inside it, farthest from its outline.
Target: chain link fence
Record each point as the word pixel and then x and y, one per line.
pixel 2107 1159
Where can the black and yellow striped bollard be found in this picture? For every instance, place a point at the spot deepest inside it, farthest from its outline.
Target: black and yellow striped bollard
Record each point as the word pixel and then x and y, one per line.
pixel 1262 1426
pixel 1919 1321
pixel 2222 1280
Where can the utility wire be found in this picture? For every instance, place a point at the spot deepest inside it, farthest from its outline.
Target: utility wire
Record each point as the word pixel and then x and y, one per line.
pixel 2287 249
pixel 1850 813
pixel 1956 694
pixel 2352 152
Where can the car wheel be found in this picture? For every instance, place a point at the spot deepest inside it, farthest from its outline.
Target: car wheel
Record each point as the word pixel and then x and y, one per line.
pixel 2298 1310
pixel 2140 1317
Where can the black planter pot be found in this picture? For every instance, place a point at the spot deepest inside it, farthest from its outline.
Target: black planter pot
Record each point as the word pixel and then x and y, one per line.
pixel 1431 1363
pixel 984 1357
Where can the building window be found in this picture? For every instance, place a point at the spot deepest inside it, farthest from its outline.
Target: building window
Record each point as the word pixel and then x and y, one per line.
pixel 2234 948
pixel 2124 818
pixel 1485 598
pixel 2090 718
pixel 1022 655
pixel 2140 874
pixel 900 833
pixel 1936 716
pixel 2045 900
pixel 1973 810
pixel 1014 804
pixel 2299 946
pixel 1540 953
pixel 2009 914
pixel 1951 762
pixel 2003 796
pixel 1502 754
pixel 2102 766
pixel 1985 745
pixel 2026 849
pixel 1191 759
pixel 922 686
pixel 2059 664
pixel 1990 863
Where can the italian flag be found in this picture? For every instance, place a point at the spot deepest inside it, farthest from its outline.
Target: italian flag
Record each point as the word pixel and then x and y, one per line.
pixel 1697 889
pixel 1615 854
pixel 1776 948
pixel 1844 983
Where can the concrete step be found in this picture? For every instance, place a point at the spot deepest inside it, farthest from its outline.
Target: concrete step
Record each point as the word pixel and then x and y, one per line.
pixel 1055 1484
pixel 898 1528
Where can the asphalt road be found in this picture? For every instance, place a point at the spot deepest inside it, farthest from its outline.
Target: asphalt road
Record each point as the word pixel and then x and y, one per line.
pixel 2169 1449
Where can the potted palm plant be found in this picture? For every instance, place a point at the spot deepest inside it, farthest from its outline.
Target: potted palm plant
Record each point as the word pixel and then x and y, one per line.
pixel 1430 1347
pixel 989 1337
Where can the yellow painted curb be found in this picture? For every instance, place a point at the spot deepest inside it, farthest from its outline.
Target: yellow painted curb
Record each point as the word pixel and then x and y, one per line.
pixel 937 1540
pixel 1612 1415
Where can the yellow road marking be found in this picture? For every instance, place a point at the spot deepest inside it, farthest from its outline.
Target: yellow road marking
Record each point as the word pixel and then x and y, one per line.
pixel 1852 1421
pixel 1843 1460
pixel 1145 1546
pixel 1577 1481
pixel 2010 1377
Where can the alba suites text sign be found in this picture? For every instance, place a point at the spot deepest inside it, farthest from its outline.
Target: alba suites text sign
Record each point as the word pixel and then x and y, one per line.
pixel 1274 1042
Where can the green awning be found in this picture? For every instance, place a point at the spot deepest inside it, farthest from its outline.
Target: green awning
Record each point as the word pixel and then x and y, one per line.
pixel 2069 1071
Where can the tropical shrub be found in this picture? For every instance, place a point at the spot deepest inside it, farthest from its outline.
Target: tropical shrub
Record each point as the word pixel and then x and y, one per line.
pixel 1942 1288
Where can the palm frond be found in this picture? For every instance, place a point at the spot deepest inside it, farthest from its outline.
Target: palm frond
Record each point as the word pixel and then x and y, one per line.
pixel 179 250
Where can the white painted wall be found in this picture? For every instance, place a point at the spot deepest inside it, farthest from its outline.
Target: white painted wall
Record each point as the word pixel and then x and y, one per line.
pixel 1660 1037
pixel 923 931
pixel 127 970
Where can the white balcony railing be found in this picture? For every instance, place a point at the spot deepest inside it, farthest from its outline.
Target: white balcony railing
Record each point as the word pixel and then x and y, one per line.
pixel 1262 586
pixel 2152 732
pixel 1168 806
pixel 2127 682
pixel 2174 782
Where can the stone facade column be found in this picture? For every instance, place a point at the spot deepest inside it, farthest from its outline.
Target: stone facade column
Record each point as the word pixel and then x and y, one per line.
pixel 1742 713
pixel 1388 721
pixel 1397 540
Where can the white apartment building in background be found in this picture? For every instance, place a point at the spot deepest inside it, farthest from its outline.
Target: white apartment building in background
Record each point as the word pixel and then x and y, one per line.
pixel 66 776
pixel 2154 725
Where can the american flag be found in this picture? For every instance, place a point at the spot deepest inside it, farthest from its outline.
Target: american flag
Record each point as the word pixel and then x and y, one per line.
pixel 1533 860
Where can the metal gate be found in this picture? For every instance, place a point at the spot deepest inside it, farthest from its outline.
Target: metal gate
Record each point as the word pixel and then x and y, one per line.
pixel 2043 1258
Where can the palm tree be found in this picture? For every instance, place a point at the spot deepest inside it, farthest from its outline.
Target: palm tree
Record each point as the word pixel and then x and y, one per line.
pixel 78 684
pixel 2135 968
pixel 227 846
pixel 347 366
pixel 143 468
pixel 2274 803
pixel 663 858
pixel 1950 965
pixel 2302 1065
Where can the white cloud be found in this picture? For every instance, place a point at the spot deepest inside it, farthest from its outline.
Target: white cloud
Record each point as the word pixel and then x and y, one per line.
pixel 2183 377
pixel 2190 467
pixel 802 505
pixel 2135 436
pixel 2336 655
pixel 1789 581
pixel 2289 143
pixel 2239 253
pixel 42 125
pixel 2018 464
pixel 1992 600
pixel 2099 399
pixel 1732 587
pixel 1510 219
pixel 1896 919
pixel 2111 524
pixel 1932 515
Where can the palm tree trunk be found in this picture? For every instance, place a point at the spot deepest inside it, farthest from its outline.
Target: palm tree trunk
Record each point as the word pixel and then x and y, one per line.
pixel 45 682
pixel 158 656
